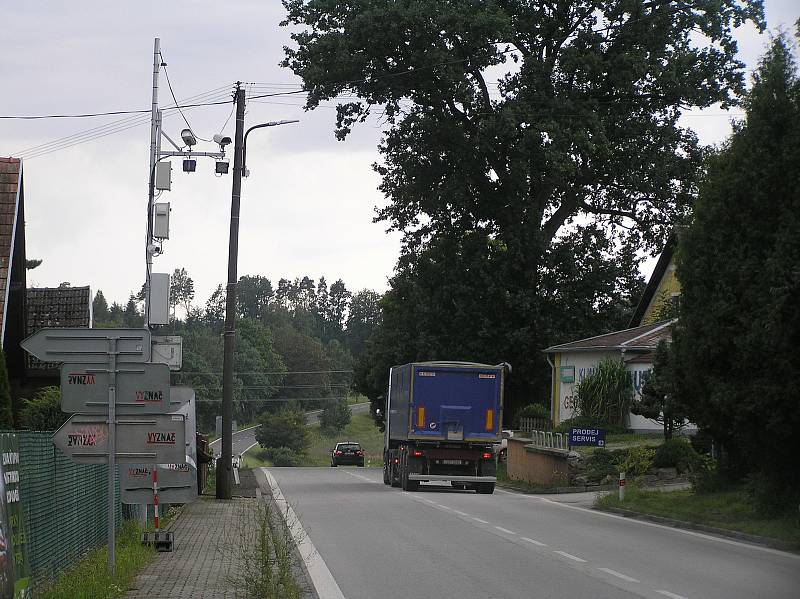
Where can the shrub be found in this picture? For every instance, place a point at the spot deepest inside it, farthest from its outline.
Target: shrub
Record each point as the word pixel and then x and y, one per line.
pixel 43 412
pixel 600 464
pixel 334 417
pixel 707 478
pixel 637 460
pixel 534 410
pixel 286 428
pixel 676 453
pixel 282 456
pixel 606 394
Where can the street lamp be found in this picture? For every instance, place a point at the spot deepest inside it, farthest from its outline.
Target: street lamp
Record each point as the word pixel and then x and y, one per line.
pixel 224 466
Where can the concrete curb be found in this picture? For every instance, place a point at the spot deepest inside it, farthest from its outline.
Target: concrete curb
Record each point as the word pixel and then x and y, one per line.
pixel 557 490
pixel 722 532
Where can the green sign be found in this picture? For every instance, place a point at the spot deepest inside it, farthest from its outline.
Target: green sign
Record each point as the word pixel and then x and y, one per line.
pixel 567 374
pixel 14 569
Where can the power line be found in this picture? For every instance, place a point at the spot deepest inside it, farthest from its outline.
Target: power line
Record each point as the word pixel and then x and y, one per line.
pixel 172 93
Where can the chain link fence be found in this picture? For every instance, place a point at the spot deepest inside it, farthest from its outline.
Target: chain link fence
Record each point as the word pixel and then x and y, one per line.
pixel 65 505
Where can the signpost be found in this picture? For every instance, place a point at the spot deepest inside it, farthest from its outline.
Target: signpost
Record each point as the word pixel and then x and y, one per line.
pixel 177 483
pixel 593 437
pixel 98 361
pixel 141 389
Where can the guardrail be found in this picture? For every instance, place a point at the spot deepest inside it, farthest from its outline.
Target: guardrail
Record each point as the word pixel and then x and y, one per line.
pixel 549 439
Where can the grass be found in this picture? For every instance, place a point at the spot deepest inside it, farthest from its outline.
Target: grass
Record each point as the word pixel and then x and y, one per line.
pixel 255 458
pixel 361 429
pixel 730 510
pixel 89 578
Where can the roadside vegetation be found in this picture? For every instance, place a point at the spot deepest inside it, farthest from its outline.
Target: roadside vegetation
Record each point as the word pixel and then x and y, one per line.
pixel 89 579
pixel 731 509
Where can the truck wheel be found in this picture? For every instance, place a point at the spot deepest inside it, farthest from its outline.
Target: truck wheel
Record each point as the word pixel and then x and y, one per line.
pixel 484 488
pixel 394 474
pixel 386 479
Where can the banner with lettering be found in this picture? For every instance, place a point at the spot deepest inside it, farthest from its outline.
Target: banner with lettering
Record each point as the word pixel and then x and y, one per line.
pixel 14 569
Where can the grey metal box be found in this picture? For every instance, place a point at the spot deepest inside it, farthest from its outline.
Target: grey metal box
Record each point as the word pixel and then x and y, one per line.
pixel 163 176
pixel 168 350
pixel 161 221
pixel 159 298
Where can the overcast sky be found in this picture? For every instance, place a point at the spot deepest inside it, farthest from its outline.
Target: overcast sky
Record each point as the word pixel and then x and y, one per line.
pixel 307 207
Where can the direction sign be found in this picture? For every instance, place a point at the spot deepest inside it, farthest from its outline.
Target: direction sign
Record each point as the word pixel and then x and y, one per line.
pixel 595 437
pixel 153 438
pixel 141 389
pixel 177 483
pixel 88 346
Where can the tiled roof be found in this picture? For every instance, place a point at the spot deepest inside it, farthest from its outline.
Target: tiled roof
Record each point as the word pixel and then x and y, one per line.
pixel 9 187
pixel 638 338
pixel 58 307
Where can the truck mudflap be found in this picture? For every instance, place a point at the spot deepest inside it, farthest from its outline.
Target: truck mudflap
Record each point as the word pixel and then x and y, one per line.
pixel 452 478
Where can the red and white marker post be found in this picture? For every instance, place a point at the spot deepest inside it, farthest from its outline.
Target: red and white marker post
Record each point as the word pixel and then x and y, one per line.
pixel 155 495
pixel 621 487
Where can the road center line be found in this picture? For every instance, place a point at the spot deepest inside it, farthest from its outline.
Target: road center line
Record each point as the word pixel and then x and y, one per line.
pixel 505 530
pixel 618 574
pixel 570 556
pixel 539 543
pixel 670 595
pixel 479 520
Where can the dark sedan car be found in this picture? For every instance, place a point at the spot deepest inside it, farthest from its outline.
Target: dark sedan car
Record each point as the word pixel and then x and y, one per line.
pixel 347 453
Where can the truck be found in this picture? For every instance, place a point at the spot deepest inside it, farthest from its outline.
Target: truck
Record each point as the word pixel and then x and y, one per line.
pixel 443 420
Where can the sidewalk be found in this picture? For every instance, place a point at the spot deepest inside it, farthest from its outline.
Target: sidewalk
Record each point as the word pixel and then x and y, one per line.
pixel 204 561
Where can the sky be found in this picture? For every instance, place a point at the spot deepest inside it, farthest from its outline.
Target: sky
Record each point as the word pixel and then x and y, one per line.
pixel 307 207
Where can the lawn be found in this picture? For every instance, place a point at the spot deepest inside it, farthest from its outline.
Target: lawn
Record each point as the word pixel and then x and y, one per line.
pixel 730 510
pixel 361 429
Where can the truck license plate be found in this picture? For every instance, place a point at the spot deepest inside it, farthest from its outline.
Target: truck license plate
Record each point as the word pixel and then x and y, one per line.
pixel 451 462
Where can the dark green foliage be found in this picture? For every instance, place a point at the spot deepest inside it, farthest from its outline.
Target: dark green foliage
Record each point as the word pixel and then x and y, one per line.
pixel 677 453
pixel 659 400
pixel 523 202
pixel 606 394
pixel 534 410
pixel 100 307
pixel 6 413
pixel 285 428
pixel 43 411
pixel 600 464
pixel 335 416
pixel 282 456
pixel 636 461
pixel 737 345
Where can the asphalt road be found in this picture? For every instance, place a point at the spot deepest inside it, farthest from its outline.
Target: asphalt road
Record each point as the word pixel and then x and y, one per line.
pixel 378 541
pixel 246 438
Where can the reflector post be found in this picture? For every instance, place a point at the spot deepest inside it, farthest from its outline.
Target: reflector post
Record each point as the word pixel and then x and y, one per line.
pixel 490 420
pixel 421 417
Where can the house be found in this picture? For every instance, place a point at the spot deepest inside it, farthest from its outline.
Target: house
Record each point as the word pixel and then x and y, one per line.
pixel 24 311
pixel 663 290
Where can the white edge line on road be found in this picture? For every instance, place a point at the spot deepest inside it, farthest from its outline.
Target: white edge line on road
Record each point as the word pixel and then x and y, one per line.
pixel 539 543
pixel 618 574
pixel 570 556
pixel 460 513
pixel 479 520
pixel 241 430
pixel 249 448
pixel 670 595
pixel 322 579
pixel 505 530
pixel 362 477
pixel 683 531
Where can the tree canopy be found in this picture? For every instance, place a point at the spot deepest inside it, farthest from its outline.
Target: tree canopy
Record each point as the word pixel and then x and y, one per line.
pixel 738 266
pixel 527 143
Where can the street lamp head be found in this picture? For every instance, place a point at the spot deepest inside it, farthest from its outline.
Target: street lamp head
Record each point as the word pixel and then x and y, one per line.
pixel 222 141
pixel 188 137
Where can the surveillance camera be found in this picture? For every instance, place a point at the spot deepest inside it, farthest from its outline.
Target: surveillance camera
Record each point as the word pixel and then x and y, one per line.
pixel 222 140
pixel 188 137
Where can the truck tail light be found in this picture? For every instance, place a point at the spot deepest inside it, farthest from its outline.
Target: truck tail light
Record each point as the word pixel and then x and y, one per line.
pixel 396 461
pixel 490 420
pixel 421 417
pixel 417 453
pixel 487 455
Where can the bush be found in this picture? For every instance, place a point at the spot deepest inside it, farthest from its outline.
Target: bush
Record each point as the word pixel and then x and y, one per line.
pixel 637 460
pixel 677 453
pixel 606 394
pixel 286 428
pixel 334 417
pixel 600 464
pixel 43 412
pixel 534 410
pixel 588 422
pixel 707 478
pixel 282 456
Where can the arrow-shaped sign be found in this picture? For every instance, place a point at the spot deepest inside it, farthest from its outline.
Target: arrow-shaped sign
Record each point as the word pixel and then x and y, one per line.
pixel 141 389
pixel 88 346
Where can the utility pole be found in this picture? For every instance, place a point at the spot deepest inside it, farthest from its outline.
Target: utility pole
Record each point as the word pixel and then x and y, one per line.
pixel 155 146
pixel 224 469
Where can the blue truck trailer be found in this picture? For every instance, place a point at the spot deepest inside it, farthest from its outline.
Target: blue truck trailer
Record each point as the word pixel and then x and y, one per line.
pixel 442 420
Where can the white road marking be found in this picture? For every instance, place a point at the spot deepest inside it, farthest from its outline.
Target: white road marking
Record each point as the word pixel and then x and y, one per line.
pixel 249 448
pixel 362 477
pixel 570 556
pixel 683 531
pixel 618 574
pixel 431 501
pixel 671 595
pixel 539 543
pixel 505 530
pixel 321 577
pixel 479 520
pixel 241 430
pixel 444 507
pixel 460 513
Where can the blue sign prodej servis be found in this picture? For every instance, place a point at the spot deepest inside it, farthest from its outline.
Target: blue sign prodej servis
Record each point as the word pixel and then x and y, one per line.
pixel 593 437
